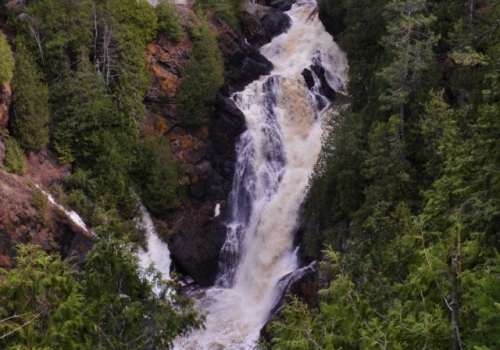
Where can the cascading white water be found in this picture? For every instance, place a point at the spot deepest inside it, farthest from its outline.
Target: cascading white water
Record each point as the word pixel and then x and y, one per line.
pixel 157 252
pixel 276 156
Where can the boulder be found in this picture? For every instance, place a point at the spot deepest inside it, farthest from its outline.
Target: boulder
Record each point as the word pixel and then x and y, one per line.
pixel 282 5
pixel 195 250
pixel 243 63
pixel 324 89
pixel 332 25
pixel 274 22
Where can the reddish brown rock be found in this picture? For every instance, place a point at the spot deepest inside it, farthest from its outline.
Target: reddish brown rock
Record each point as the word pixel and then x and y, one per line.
pixel 5 100
pixel 21 223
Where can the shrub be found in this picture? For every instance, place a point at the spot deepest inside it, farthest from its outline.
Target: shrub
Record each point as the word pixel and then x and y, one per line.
pixel 15 160
pixel 6 61
pixel 169 20
pixel 202 77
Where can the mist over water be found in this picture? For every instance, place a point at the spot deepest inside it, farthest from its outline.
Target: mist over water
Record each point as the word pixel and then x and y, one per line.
pixel 276 156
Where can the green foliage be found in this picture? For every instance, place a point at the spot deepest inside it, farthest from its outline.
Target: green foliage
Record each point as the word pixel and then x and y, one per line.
pixel 93 135
pixel 126 312
pixel 7 61
pixel 407 187
pixel 202 76
pixel 41 304
pixel 44 303
pixel 156 176
pixel 410 43
pixel 79 202
pixel 30 107
pixel 15 160
pixel 227 10
pixel 169 21
pixel 39 200
pixel 60 32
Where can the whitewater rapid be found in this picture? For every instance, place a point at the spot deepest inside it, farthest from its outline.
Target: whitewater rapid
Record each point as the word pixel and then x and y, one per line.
pixel 156 253
pixel 276 156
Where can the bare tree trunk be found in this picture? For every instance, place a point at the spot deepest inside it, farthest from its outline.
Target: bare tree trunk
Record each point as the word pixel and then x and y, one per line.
pixel 402 122
pixel 471 10
pixel 38 40
pixel 455 336
pixel 107 55
pixel 96 35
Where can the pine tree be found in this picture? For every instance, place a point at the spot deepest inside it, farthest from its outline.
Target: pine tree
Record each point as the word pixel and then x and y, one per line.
pixel 30 108
pixel 6 61
pixel 409 42
pixel 202 76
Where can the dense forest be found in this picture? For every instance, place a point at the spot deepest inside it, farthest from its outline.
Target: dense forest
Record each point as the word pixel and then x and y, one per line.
pixel 404 207
pixel 78 75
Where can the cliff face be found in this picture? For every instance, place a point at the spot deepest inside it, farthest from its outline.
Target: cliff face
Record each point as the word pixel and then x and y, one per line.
pixel 20 221
pixel 46 225
pixel 206 153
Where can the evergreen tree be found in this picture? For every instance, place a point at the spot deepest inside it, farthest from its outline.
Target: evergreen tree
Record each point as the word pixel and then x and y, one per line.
pixel 202 76
pixel 169 20
pixel 409 41
pixel 41 304
pixel 6 61
pixel 15 160
pixel 30 108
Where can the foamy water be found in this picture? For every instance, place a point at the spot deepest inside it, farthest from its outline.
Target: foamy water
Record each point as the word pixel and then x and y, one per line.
pixel 157 252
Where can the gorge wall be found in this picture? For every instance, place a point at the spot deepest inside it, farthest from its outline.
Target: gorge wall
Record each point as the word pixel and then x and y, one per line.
pixel 207 153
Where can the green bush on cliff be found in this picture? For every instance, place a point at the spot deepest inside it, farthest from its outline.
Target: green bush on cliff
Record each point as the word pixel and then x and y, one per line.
pixel 6 60
pixel 169 20
pixel 227 10
pixel 15 160
pixel 202 76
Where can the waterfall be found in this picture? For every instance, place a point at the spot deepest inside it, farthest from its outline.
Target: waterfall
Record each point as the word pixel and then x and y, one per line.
pixel 157 252
pixel 276 155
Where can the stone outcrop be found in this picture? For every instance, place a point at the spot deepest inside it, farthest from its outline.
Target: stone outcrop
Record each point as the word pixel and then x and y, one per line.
pixel 282 5
pixel 242 62
pixel 207 153
pixel 272 23
pixel 21 223
pixel 332 25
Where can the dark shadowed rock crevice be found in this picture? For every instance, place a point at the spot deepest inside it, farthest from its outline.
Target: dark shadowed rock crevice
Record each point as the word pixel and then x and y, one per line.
pixel 274 22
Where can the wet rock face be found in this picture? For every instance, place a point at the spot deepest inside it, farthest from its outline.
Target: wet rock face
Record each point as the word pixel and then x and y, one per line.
pixel 332 25
pixel 227 124
pixel 319 71
pixel 282 5
pixel 274 22
pixel 243 63
pixel 197 254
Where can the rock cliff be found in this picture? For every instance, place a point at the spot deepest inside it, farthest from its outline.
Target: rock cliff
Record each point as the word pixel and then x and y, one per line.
pixel 22 221
pixel 207 153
